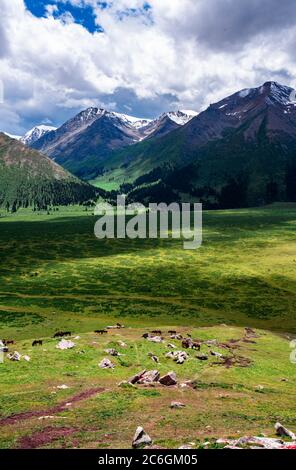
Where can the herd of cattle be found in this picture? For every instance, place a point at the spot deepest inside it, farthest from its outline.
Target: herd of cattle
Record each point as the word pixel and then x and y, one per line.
pixel 59 334
pixel 187 342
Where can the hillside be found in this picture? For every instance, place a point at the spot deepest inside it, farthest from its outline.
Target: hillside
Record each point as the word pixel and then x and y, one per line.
pixel 28 178
pixel 242 276
pixel 240 152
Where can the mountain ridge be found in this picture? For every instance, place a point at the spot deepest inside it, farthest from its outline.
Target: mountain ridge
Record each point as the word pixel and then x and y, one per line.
pixel 87 139
pixel 245 143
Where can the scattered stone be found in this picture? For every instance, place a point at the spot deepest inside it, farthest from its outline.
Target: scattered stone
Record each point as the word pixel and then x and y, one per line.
pixel 14 357
pixel 26 358
pixel 184 385
pixel 46 417
pixel 112 352
pixel 284 432
pixel 185 446
pixel 121 344
pixel 155 339
pixel 178 337
pixel 170 355
pixel 251 443
pixel 136 378
pixel 206 444
pixel 65 344
pixel 153 357
pixel 259 388
pixel 62 387
pixel 141 438
pixel 106 364
pixel 202 357
pixel 118 326
pixel 177 405
pixel 211 342
pixel 168 379
pixel 149 377
pixel 178 356
pixel 216 354
pixel 77 337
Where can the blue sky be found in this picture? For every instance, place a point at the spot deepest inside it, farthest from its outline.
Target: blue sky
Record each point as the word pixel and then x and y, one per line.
pixel 138 57
pixel 82 15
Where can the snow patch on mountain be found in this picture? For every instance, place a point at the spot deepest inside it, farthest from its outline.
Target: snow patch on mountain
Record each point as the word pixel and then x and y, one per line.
pixel 244 93
pixel 181 117
pixel 16 137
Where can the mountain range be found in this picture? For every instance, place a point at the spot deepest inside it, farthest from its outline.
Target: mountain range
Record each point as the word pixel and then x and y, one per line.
pixel 84 142
pixel 30 179
pixel 239 152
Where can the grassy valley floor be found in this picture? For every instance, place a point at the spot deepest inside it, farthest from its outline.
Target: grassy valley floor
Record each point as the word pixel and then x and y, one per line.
pixel 55 275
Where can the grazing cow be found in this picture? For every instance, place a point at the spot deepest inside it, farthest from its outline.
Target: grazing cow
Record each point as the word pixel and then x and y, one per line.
pixel 37 342
pixel 6 342
pixel 101 332
pixel 157 332
pixel 196 346
pixel 146 335
pixel 60 334
pixel 172 332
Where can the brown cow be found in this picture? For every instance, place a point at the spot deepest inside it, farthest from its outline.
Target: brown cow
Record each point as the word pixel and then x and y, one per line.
pixel 37 342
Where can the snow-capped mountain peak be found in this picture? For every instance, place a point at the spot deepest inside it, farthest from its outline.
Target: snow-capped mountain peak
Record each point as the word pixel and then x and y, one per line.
pixel 35 133
pixel 181 117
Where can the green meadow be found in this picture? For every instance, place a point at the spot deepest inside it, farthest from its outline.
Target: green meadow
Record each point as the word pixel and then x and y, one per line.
pixel 55 275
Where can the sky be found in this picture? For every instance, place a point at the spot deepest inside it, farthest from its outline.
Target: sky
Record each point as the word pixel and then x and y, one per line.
pixel 137 57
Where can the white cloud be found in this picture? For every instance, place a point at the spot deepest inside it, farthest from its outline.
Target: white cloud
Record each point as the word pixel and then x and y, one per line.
pixel 192 50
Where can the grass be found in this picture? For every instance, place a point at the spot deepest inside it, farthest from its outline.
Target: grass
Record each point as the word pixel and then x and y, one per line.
pixel 56 275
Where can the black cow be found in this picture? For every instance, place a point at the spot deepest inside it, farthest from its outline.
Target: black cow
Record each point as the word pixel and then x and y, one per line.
pixel 157 332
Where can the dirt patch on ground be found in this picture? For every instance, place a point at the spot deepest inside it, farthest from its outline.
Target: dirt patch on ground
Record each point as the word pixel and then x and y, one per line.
pixel 238 361
pixel 44 437
pixel 49 411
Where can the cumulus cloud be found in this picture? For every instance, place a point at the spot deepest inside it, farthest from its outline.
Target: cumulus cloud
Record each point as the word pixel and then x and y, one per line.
pixel 150 56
